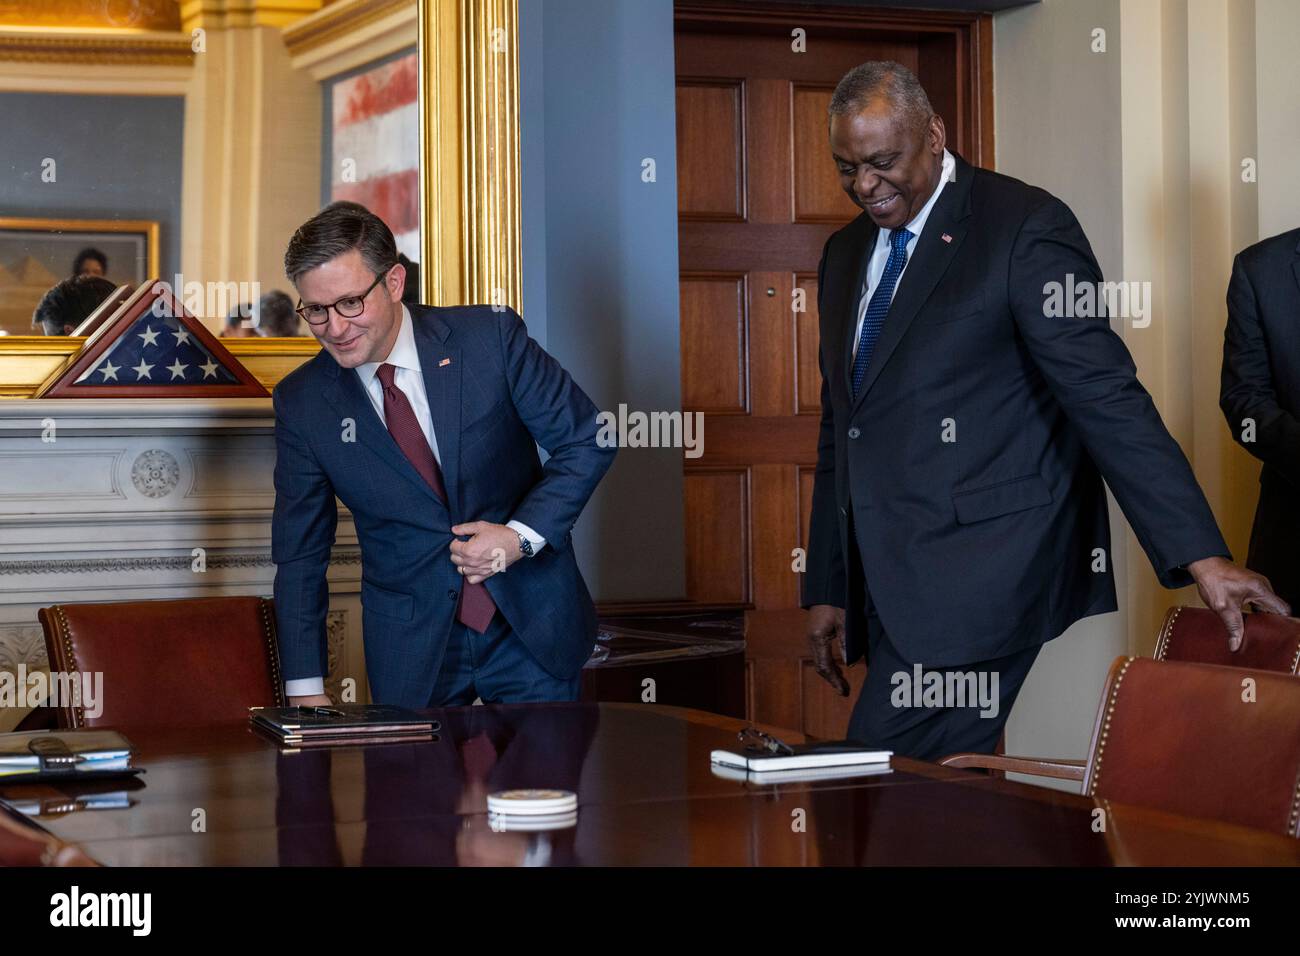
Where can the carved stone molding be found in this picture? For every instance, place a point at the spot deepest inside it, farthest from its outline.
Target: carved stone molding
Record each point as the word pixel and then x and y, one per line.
pixel 23 644
pixel 20 644
pixel 257 559
pixel 155 473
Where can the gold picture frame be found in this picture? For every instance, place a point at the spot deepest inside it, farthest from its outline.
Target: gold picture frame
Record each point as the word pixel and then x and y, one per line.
pixel 36 251
pixel 469 165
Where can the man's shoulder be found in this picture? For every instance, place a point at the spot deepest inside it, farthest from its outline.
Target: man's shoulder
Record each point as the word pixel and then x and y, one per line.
pixel 456 316
pixel 306 377
pixel 994 193
pixel 1274 249
pixel 485 324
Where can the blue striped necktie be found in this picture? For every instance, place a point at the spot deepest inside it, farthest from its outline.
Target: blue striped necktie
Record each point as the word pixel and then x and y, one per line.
pixel 878 307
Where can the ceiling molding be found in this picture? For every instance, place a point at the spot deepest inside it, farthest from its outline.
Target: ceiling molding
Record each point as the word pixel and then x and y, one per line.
pixel 225 14
pixel 101 47
pixel 161 15
pixel 349 33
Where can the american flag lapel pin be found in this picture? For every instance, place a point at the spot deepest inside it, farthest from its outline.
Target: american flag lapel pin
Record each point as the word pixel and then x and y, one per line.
pixel 445 361
pixel 946 238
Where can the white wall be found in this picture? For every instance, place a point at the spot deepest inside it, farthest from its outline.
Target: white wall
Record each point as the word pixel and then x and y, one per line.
pixel 1145 142
pixel 1056 115
pixel 1277 79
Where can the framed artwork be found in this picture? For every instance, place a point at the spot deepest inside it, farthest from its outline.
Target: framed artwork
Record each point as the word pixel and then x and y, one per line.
pixel 151 347
pixel 36 254
pixel 375 145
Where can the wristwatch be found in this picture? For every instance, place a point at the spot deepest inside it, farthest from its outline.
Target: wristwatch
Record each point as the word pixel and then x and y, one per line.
pixel 525 546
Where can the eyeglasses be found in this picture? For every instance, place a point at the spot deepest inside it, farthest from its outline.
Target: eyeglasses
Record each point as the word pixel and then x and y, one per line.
pixel 349 307
pixel 756 741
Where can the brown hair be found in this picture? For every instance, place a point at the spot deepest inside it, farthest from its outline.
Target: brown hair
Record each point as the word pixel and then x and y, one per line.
pixel 336 230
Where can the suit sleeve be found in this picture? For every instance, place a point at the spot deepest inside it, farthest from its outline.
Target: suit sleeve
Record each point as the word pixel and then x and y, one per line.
pixel 302 533
pixel 562 419
pixel 1246 385
pixel 1092 375
pixel 824 581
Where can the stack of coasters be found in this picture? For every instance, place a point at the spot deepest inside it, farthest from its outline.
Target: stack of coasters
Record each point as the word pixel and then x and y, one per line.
pixel 532 810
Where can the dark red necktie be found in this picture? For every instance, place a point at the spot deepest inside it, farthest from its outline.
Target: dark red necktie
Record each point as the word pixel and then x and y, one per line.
pixel 476 605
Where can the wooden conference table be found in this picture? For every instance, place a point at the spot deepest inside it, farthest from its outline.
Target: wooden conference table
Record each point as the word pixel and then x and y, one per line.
pixel 646 792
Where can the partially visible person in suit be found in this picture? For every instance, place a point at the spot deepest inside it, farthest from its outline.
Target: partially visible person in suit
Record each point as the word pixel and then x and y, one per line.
pixel 90 262
pixel 425 423
pixel 959 519
pixel 1260 398
pixel 68 304
pixel 275 317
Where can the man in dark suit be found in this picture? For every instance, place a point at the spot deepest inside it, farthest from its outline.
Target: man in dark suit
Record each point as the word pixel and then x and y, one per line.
pixel 1260 397
pixel 959 518
pixel 425 423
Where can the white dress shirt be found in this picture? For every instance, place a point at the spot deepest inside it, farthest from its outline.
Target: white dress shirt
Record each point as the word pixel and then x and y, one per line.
pixel 880 255
pixel 406 360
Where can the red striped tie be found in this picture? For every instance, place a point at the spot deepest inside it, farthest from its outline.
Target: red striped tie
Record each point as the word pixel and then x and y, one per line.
pixel 476 605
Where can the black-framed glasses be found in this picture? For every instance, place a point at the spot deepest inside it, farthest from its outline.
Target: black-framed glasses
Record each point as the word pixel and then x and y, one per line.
pixel 757 741
pixel 349 307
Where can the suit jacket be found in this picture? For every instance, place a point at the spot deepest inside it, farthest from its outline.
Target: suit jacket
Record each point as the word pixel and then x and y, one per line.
pixel 1261 382
pixel 974 548
pixel 497 397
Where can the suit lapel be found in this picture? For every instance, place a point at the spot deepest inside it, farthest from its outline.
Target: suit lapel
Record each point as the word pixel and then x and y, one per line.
pixel 930 258
pixel 349 398
pixel 840 298
pixel 861 250
pixel 1295 266
pixel 440 365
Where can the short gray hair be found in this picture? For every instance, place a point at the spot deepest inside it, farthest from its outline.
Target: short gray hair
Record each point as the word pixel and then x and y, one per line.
pixel 336 230
pixel 877 78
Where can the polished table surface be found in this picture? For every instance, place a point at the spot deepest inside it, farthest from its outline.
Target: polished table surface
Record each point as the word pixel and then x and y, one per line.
pixel 646 792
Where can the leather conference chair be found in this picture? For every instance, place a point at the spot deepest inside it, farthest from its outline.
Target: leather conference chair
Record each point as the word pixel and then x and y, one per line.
pixel 1196 634
pixel 181 663
pixel 1180 737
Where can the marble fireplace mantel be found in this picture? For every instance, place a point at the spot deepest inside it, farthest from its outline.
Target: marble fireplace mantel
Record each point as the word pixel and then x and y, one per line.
pixel 140 499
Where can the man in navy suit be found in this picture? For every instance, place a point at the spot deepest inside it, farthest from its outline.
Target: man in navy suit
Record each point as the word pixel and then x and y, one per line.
pixel 959 519
pixel 1260 397
pixel 425 423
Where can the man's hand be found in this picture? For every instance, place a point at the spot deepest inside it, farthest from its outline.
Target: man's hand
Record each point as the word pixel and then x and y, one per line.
pixel 315 700
pixel 491 548
pixel 825 628
pixel 1226 588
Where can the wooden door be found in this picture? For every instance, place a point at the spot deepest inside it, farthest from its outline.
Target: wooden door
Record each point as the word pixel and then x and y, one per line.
pixel 758 195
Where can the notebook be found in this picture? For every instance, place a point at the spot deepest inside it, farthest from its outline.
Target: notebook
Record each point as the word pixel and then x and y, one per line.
pixel 799 774
pixel 826 753
pixel 60 754
pixel 338 723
